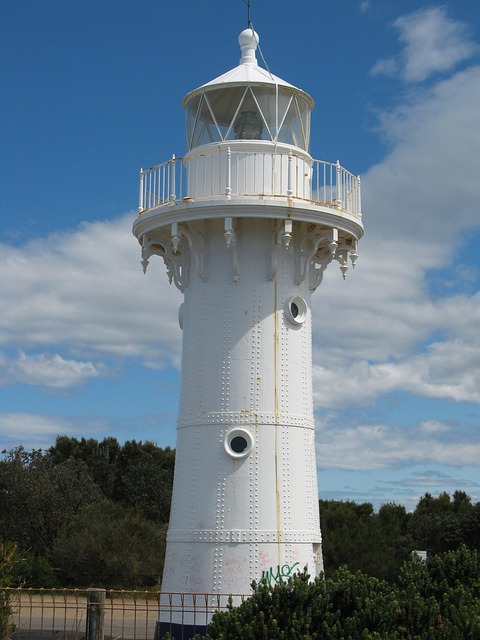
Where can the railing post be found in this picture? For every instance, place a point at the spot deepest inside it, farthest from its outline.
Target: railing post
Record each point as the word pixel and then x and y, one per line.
pixel 228 189
pixel 95 614
pixel 141 191
pixel 339 185
pixel 172 192
pixel 359 198
pixel 289 176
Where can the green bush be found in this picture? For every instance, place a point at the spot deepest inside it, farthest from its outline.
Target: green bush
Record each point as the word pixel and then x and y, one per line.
pixel 34 571
pixel 8 559
pixel 437 600
pixel 441 598
pixel 347 605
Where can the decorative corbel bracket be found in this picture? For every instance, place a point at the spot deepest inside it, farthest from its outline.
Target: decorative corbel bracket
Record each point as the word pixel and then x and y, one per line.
pixel 347 249
pixel 317 250
pixel 160 245
pixel 188 242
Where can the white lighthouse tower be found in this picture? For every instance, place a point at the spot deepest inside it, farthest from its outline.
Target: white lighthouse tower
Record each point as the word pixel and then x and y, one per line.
pixel 246 223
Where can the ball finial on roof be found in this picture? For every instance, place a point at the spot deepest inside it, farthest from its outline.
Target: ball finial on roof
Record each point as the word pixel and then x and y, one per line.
pixel 248 41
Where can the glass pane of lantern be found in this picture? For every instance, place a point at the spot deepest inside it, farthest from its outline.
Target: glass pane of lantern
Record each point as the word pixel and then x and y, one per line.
pixel 204 134
pixel 206 117
pixel 247 123
pixel 268 100
pixel 200 126
pixel 295 127
pixel 304 111
pixel 248 113
pixel 191 114
pixel 224 103
pixel 289 128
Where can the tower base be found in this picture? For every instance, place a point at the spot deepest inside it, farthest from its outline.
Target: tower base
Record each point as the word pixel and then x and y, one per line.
pixel 178 631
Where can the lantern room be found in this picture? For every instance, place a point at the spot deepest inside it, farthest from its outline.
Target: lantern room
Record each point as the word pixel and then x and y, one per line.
pixel 250 104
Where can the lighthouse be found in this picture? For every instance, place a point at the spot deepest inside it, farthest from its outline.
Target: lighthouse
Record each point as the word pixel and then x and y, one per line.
pixel 246 223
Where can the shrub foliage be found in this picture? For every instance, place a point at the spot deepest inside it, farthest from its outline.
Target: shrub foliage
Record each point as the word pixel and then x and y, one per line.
pixel 437 600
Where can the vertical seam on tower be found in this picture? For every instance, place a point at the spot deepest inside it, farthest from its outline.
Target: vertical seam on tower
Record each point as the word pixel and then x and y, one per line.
pixel 254 406
pixel 276 409
pixel 224 406
pixel 285 412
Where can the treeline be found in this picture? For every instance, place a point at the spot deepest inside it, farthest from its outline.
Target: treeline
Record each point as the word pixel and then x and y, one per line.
pixel 89 513
pixel 377 543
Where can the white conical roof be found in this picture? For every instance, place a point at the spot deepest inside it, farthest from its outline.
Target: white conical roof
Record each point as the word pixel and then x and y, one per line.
pixel 248 72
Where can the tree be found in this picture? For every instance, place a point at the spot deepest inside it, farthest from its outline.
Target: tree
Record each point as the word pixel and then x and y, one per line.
pixel 145 479
pixel 378 543
pixel 395 540
pixel 107 545
pixel 356 536
pixel 348 534
pixel 440 524
pixel 139 475
pixel 101 458
pixel 38 498
pixel 52 504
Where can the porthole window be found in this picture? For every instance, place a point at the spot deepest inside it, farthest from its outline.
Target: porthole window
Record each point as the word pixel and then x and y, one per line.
pixel 296 310
pixel 238 443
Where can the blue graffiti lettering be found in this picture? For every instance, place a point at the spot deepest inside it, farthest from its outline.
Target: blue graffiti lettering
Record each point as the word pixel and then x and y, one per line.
pixel 278 573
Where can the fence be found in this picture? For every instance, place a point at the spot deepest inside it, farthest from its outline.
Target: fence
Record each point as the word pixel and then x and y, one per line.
pixel 324 183
pixel 73 614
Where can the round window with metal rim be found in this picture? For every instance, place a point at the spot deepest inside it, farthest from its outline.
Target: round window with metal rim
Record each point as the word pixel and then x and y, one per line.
pixel 238 443
pixel 296 310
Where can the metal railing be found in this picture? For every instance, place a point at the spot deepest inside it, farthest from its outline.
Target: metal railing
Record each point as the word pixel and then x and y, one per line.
pixel 62 614
pixel 328 184
pixel 335 186
pixel 161 184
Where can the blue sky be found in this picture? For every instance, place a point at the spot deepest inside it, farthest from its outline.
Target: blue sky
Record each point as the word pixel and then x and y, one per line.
pixel 89 346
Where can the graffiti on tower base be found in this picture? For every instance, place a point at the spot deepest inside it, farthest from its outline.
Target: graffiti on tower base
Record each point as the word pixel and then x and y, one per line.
pixel 274 575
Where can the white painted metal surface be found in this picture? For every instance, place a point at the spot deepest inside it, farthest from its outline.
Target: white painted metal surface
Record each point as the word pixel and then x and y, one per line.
pixel 245 375
pixel 246 227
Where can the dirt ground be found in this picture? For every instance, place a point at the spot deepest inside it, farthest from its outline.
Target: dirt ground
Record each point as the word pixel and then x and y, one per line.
pixel 59 616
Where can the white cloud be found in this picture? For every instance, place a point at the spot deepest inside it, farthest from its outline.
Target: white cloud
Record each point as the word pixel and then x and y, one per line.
pixel 37 431
pixel 47 370
pixel 84 292
pixel 385 67
pixel 365 5
pixel 378 446
pixel 433 43
pixel 434 479
pixel 412 486
pixel 433 426
pixel 381 330
pixel 449 370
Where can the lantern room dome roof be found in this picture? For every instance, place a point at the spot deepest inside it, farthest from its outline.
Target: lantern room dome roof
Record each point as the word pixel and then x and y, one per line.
pixel 248 103
pixel 248 72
